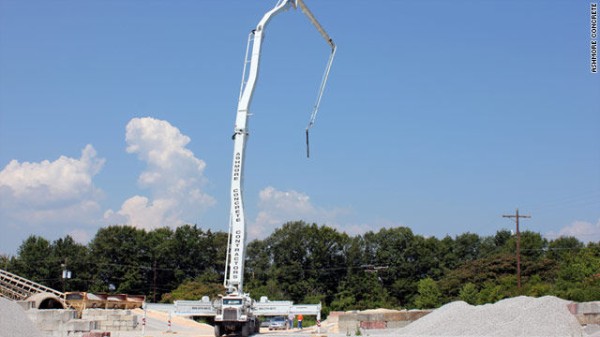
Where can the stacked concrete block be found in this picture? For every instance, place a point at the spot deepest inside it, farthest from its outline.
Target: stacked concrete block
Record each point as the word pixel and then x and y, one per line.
pixel 112 320
pixel 332 323
pixel 64 322
pixel 78 327
pixel 374 319
pixel 586 312
pixel 26 305
pixel 58 322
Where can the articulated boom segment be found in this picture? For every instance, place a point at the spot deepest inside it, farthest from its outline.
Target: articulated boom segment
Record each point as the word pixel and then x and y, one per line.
pixel 235 310
pixel 237 222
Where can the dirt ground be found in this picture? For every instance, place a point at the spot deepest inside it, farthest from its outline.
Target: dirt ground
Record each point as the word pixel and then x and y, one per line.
pixel 157 326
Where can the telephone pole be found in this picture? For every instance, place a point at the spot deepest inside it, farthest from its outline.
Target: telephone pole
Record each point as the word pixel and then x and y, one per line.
pixel 516 216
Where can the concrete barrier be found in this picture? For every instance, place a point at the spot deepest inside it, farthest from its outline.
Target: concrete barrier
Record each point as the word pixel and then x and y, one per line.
pixel 94 322
pixel 112 320
pixel 586 312
pixel 376 319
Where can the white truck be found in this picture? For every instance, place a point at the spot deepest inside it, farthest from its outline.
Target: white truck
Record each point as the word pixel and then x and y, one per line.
pixel 236 312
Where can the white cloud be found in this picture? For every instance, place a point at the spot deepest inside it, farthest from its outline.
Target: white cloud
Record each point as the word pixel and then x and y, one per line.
pixel 360 229
pixel 80 236
pixel 56 193
pixel 278 207
pixel 582 230
pixel 138 210
pixel 173 175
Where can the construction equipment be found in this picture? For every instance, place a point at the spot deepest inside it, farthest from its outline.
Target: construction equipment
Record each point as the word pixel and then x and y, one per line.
pixel 80 301
pixel 236 310
pixel 18 288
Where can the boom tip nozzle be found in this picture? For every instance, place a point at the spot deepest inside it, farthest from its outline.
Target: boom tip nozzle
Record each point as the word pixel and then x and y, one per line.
pixel 307 146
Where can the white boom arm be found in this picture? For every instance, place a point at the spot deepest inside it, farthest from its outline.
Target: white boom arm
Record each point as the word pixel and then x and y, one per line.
pixel 234 273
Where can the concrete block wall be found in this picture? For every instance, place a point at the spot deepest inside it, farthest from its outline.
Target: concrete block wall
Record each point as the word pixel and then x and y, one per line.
pixel 586 312
pixel 26 305
pixel 64 322
pixel 350 321
pixel 59 322
pixel 331 324
pixel 112 320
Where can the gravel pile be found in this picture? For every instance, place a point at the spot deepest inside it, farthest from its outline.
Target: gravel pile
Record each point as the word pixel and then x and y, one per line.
pixel 518 316
pixel 14 321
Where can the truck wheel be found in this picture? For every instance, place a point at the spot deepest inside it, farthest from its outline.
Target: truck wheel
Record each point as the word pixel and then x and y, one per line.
pixel 245 330
pixel 257 326
pixel 217 330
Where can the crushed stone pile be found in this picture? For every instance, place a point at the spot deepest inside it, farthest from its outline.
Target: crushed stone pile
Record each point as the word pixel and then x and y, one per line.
pixel 518 316
pixel 14 321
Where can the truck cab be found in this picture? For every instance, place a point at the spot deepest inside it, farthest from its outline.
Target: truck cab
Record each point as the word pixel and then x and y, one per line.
pixel 234 315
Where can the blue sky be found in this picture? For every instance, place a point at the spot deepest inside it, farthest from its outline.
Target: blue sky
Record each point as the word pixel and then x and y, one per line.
pixel 440 115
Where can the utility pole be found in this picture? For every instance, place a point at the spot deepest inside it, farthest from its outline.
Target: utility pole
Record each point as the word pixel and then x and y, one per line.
pixel 154 283
pixel 66 273
pixel 516 217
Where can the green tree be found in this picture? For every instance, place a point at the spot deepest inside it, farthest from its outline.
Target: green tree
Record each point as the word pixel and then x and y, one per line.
pixel 424 257
pixel 477 272
pixel 468 293
pixel 361 291
pixel 404 291
pixel 447 254
pixel 535 286
pixel 306 261
pixel 270 288
pixel 33 261
pixel 160 275
pixel 289 255
pixel 206 284
pixel 579 277
pixel 4 261
pixel 494 245
pixel 187 249
pixel 395 250
pixel 502 237
pixel 326 249
pixel 564 248
pixel 258 266
pixel 119 253
pixel 467 247
pixel 429 295
pixel 70 255
pixel 490 293
pixel 533 245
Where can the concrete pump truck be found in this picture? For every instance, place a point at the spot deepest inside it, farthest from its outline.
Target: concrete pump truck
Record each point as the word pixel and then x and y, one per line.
pixel 235 310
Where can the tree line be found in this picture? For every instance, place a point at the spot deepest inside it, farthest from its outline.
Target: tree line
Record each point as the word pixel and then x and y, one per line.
pixel 308 263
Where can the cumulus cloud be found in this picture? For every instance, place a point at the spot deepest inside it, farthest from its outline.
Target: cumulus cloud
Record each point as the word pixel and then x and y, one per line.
pixel 80 236
pixel 173 176
pixel 278 207
pixel 51 193
pixel 582 230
